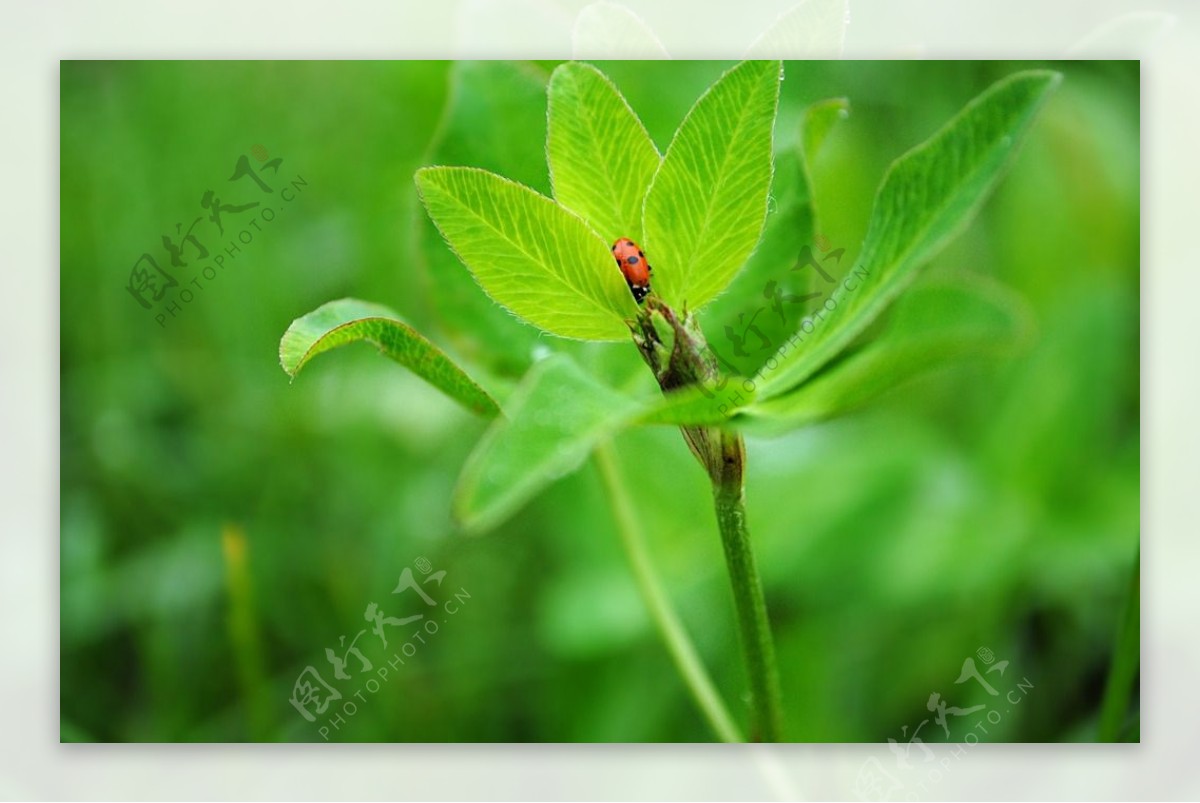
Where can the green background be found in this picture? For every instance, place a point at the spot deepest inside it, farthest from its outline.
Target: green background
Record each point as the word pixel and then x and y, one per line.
pixel 221 528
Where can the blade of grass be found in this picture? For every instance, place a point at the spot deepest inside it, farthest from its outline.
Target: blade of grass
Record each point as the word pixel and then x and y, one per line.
pixel 243 630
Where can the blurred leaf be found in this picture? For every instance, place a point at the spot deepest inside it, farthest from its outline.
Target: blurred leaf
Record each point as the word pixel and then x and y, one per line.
pixel 707 204
pixel 932 326
pixel 495 110
pixel 1131 32
pixel 70 732
pixel 601 158
pixel 753 301
pixel 819 119
pixel 696 406
pixel 496 120
pixel 349 320
pixel 613 31
pixel 763 305
pixel 1122 674
pixel 926 197
pixel 554 418
pixel 529 254
pixel 811 29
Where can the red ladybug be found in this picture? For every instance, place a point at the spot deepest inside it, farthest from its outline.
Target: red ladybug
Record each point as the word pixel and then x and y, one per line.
pixel 634 267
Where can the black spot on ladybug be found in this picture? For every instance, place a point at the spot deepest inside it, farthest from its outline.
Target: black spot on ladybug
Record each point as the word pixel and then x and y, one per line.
pixel 633 260
pixel 614 247
pixel 641 254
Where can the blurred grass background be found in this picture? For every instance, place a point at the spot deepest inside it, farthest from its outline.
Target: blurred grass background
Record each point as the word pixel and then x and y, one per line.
pixel 221 528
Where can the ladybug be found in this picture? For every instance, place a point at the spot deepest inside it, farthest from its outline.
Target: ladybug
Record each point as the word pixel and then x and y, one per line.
pixel 634 267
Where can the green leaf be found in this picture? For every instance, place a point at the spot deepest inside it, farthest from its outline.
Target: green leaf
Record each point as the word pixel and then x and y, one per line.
pixel 706 206
pixel 819 119
pixel 495 109
pixel 601 158
pixel 553 419
pixel 349 320
pixel 932 326
pixel 529 254
pixel 695 406
pixel 748 322
pixel 767 299
pixel 926 196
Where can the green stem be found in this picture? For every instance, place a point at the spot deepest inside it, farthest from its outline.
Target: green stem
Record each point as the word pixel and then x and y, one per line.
pixel 683 653
pixel 674 348
pixel 1126 653
pixel 757 645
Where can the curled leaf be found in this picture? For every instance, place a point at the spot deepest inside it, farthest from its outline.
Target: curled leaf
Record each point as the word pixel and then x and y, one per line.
pixel 349 320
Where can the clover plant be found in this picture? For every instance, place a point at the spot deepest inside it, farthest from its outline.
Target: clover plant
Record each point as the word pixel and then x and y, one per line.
pixel 725 219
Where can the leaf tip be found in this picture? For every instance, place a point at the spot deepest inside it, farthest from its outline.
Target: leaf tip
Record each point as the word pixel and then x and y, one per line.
pixel 419 177
pixel 1045 80
pixel 288 367
pixel 564 70
pixel 466 519
pixel 424 175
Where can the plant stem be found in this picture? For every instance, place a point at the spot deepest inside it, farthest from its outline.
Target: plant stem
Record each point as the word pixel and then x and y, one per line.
pixel 757 644
pixel 1126 653
pixel 674 348
pixel 683 653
